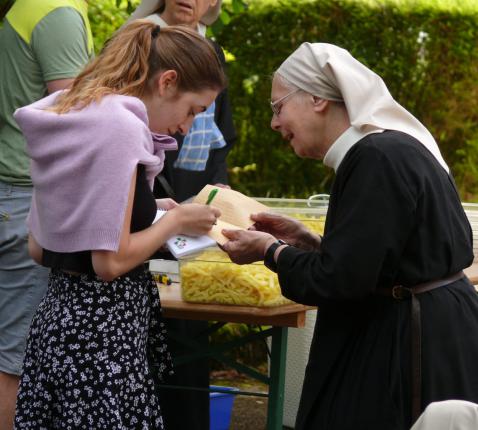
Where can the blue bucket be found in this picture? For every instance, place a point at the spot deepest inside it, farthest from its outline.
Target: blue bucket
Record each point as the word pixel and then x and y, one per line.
pixel 220 407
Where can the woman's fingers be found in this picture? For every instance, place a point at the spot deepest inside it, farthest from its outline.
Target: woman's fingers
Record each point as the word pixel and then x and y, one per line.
pixel 166 204
pixel 219 185
pixel 215 211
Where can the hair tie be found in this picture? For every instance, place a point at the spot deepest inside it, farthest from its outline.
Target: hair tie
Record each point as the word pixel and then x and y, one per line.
pixel 155 31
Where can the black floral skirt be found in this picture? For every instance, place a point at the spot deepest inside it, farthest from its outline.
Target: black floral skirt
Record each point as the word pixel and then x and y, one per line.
pixel 95 354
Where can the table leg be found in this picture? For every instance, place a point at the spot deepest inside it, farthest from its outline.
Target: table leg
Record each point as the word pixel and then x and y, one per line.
pixel 275 409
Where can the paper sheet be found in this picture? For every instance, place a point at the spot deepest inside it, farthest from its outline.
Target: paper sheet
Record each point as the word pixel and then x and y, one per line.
pixel 235 207
pixel 181 245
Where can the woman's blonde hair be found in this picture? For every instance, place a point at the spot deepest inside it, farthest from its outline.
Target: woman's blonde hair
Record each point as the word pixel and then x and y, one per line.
pixel 135 54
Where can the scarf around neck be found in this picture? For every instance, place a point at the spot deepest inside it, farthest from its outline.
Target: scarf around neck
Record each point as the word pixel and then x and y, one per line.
pixel 82 165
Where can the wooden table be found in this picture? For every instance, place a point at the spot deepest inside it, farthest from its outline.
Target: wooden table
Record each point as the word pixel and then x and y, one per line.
pixel 279 318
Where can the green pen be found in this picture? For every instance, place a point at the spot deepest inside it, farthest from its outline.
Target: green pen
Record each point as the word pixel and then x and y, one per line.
pixel 211 195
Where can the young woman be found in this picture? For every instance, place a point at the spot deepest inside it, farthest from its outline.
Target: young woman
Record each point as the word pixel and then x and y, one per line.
pixel 199 160
pixel 97 343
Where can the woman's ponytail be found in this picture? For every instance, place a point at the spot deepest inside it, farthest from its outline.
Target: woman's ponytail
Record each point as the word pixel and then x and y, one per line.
pixel 135 54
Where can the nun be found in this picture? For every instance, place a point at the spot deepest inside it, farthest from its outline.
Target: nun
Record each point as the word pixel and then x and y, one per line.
pixel 397 324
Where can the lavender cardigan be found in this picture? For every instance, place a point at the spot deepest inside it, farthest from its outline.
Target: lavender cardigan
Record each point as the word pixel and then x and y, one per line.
pixel 82 164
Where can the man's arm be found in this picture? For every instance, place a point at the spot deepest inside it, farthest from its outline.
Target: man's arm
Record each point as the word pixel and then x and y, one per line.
pixel 60 45
pixel 58 84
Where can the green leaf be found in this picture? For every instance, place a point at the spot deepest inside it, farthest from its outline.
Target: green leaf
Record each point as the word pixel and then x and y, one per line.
pixel 225 17
pixel 238 6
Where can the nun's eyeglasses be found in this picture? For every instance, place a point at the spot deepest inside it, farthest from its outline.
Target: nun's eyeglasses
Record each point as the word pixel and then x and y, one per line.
pixel 277 105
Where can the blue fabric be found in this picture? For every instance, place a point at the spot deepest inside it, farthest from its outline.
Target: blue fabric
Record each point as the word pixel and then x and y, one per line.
pixel 203 136
pixel 22 282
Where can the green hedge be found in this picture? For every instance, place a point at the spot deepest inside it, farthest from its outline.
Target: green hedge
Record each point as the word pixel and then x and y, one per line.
pixel 427 54
pixel 106 16
pixel 426 51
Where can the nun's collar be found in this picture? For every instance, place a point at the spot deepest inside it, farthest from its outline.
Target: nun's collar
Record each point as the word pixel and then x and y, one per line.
pixel 341 146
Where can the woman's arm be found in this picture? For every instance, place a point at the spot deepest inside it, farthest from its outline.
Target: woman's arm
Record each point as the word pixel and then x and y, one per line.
pixel 35 250
pixel 135 248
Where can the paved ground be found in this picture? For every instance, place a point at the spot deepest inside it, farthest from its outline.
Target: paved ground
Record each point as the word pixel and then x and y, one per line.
pixel 249 413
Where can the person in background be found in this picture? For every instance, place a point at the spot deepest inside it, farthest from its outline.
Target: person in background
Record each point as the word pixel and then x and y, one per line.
pixel 200 160
pixel 397 326
pixel 97 346
pixel 201 156
pixel 43 46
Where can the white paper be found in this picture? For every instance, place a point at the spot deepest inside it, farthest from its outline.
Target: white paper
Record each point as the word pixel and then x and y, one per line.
pixel 236 210
pixel 181 245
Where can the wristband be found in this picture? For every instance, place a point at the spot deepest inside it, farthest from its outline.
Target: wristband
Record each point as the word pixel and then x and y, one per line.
pixel 269 261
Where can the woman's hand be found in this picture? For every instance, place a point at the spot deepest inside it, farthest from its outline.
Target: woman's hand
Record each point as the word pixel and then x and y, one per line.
pixel 246 246
pixel 35 250
pixel 219 185
pixel 194 219
pixel 288 229
pixel 166 204
pixel 135 248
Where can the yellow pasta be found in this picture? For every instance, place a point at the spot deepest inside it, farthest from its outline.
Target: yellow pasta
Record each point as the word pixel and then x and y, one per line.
pixel 314 224
pixel 213 278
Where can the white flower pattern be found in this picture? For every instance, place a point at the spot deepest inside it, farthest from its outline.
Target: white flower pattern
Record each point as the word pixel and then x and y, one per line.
pixel 96 351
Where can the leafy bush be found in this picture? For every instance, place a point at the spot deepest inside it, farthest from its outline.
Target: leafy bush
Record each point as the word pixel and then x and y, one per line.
pixel 106 16
pixel 425 51
pixel 251 354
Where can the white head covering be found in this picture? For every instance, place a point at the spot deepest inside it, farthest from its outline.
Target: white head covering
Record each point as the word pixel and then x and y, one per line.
pixel 448 415
pixel 148 7
pixel 331 73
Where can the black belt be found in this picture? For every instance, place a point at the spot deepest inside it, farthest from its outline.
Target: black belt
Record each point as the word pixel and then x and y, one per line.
pixel 138 270
pixel 399 292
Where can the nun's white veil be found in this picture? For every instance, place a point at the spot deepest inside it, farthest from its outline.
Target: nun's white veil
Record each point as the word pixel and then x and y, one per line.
pixel 331 73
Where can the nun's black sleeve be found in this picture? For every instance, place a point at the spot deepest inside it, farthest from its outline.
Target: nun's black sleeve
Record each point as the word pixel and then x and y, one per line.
pixel 394 218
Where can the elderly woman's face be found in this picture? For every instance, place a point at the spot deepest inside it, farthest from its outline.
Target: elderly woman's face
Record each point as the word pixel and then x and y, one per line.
pixel 296 120
pixel 186 12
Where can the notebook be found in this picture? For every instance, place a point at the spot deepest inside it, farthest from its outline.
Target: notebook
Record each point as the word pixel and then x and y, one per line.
pixel 181 245
pixel 236 210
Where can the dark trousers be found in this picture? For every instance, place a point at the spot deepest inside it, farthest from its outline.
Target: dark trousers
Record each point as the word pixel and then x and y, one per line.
pixel 186 409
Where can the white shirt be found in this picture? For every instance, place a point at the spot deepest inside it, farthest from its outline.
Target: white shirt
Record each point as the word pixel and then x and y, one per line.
pixel 341 146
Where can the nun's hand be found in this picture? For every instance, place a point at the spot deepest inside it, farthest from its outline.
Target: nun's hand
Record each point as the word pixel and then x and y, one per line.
pixel 246 246
pixel 288 229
